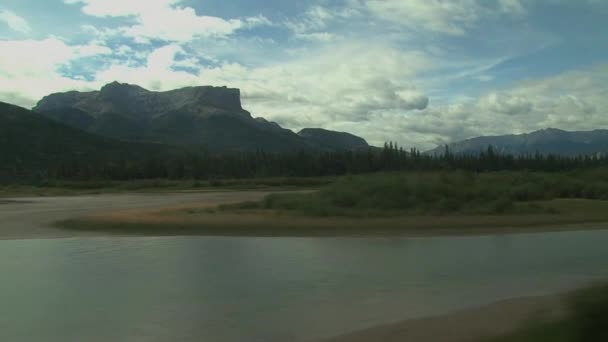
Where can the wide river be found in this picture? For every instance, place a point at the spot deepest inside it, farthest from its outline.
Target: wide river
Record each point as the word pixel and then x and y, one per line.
pixel 271 289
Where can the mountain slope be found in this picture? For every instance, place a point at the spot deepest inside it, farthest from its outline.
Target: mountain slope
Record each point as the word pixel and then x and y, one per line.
pixel 209 116
pixel 30 143
pixel 546 141
pixel 330 140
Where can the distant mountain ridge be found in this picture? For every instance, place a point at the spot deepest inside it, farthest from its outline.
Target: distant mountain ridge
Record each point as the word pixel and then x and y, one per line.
pixel 545 141
pixel 205 115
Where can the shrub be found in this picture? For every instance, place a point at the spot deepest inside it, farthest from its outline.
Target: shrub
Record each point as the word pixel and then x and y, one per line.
pixel 443 192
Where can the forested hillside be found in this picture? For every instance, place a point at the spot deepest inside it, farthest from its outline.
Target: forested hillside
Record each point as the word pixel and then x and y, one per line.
pixel 32 146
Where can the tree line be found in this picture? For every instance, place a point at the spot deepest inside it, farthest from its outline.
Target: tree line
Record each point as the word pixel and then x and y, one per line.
pixel 208 165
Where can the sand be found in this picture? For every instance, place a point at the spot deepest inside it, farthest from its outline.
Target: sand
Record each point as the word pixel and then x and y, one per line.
pixel 33 218
pixel 171 214
pixel 471 325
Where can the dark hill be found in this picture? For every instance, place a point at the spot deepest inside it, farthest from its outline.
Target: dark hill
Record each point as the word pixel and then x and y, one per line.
pixel 31 143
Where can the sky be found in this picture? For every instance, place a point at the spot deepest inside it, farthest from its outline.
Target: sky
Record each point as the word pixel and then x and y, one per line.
pixel 418 72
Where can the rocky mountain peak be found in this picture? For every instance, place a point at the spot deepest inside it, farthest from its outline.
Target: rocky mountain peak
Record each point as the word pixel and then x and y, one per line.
pixel 197 116
pixel 116 89
pixel 218 97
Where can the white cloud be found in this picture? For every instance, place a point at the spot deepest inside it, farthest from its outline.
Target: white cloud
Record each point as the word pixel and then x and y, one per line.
pixel 91 49
pixel 165 20
pixel 484 78
pixel 30 71
pixel 453 17
pixel 574 100
pixel 122 8
pixel 39 57
pixel 180 24
pixel 124 50
pixel 341 83
pixel 316 36
pixel 315 19
pixel 14 22
pixel 158 73
pixel 506 104
pixel 512 6
pixel 313 25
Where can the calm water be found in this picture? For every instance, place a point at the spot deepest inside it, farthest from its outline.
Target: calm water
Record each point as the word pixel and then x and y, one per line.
pixel 287 289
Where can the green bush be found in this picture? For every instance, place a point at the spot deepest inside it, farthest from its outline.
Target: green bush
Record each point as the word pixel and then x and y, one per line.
pixel 442 192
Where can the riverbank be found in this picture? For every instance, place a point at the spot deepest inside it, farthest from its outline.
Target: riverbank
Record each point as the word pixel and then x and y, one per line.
pixel 171 214
pixel 471 325
pixel 154 186
pixel 33 217
pixel 207 219
pixel 577 316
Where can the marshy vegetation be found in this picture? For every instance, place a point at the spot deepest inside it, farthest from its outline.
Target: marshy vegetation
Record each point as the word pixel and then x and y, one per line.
pixel 432 193
pixel 430 202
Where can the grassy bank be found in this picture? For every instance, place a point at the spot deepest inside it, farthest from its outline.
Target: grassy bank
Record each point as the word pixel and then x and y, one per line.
pixel 204 219
pixel 387 204
pixel 65 188
pixel 440 193
pixel 586 321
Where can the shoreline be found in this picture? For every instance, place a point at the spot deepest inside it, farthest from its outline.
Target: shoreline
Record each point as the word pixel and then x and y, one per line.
pixel 59 232
pixel 196 214
pixel 241 230
pixel 190 219
pixel 474 324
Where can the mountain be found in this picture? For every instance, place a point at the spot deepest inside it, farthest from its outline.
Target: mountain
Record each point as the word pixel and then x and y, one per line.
pixel 329 140
pixel 546 141
pixel 30 143
pixel 209 116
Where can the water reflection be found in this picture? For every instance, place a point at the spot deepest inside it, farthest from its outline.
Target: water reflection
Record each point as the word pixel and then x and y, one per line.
pixel 254 289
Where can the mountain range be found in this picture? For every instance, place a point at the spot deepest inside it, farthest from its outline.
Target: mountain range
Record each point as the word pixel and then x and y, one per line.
pixel 212 117
pixel 130 121
pixel 545 141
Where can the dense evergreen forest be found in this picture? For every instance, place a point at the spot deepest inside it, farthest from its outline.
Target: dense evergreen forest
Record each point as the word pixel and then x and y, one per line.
pixel 207 165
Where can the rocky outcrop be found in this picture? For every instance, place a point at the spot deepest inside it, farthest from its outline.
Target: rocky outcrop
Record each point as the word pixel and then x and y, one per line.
pixel 137 102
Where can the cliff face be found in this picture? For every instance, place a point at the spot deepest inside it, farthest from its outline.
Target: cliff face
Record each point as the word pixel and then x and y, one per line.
pixel 199 116
pixel 137 102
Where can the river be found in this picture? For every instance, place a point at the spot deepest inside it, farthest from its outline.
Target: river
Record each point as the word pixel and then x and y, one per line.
pixel 271 289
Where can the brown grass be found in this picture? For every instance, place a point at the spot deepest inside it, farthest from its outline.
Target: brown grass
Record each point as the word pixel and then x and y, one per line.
pixel 207 220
